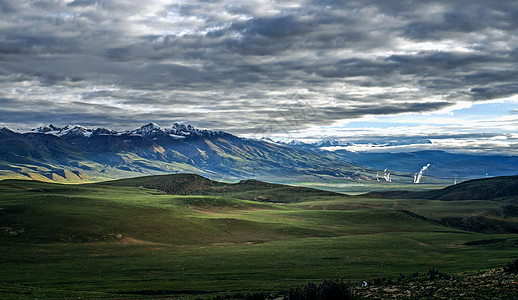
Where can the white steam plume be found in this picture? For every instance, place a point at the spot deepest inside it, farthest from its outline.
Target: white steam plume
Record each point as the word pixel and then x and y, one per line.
pixel 386 175
pixel 417 176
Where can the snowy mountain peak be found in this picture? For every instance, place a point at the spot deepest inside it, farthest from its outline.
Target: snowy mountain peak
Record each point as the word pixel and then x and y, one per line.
pixel 188 130
pixel 327 142
pixel 177 131
pixel 53 128
pixel 104 131
pixel 150 126
pixel 148 130
pixel 46 129
pixel 182 128
pixel 75 130
pixel 68 130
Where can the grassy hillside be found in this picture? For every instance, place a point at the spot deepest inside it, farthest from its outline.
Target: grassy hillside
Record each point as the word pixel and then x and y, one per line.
pixel 122 239
pixel 497 188
pixel 501 218
pixel 188 184
pixel 503 188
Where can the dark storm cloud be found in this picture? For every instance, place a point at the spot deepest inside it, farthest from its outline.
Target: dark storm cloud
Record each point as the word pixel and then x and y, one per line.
pixel 461 17
pixel 361 110
pixel 83 2
pixel 236 65
pixel 6 7
pixel 354 67
pixel 27 44
pixel 495 90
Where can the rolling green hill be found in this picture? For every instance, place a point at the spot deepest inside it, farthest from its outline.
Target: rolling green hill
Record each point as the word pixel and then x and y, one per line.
pixel 202 239
pixel 503 188
pixel 193 184
pixel 497 188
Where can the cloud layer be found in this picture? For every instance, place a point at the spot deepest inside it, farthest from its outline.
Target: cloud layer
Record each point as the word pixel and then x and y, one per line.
pixel 250 67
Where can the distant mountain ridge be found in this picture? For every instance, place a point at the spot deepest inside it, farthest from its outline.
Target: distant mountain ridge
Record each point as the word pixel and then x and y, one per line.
pixel 454 166
pixel 340 144
pixel 79 153
pixel 98 154
pixel 149 130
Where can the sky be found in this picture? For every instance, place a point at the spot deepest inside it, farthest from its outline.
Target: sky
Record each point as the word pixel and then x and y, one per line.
pixel 351 70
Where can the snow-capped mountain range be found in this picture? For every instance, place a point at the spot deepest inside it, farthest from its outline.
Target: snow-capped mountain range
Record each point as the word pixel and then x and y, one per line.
pixel 181 131
pixel 151 149
pixel 151 130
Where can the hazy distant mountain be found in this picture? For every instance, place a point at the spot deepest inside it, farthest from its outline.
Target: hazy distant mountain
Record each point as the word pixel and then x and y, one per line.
pixel 442 164
pixel 460 166
pixel 335 144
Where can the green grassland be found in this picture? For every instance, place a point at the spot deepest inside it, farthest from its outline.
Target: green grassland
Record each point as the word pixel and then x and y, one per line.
pixel 135 238
pixel 362 187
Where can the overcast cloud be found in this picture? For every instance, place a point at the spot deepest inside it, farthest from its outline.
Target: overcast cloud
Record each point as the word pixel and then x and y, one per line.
pixel 279 68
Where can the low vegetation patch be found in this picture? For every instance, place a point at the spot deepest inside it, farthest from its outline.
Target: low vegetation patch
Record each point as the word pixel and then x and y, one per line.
pixel 512 267
pixel 510 210
pixel 480 224
pixel 490 284
pixel 326 290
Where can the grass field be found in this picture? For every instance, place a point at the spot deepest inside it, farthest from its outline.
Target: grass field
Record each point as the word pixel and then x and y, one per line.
pixel 362 187
pixel 66 241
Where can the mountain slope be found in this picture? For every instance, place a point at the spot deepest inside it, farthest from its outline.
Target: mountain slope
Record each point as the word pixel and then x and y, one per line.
pixel 78 153
pixel 107 154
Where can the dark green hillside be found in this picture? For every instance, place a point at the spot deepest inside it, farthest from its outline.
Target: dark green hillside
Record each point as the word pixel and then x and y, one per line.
pixel 479 189
pixel 504 188
pixel 175 184
pixel 193 184
pixel 473 193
